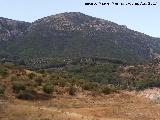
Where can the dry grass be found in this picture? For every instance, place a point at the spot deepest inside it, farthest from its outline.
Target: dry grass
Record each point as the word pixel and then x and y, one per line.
pixel 84 105
pixel 120 106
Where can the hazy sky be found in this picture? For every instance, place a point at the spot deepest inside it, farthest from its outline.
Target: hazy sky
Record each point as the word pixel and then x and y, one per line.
pixel 145 19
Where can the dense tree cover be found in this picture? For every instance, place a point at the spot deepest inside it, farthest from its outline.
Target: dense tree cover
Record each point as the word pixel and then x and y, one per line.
pixel 87 74
pixel 32 85
pixel 102 73
pixel 140 76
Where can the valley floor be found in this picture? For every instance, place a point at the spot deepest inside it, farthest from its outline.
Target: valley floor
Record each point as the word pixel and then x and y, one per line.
pixel 117 106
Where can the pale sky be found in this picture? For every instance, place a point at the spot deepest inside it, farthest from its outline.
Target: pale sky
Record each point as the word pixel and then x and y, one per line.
pixel 145 19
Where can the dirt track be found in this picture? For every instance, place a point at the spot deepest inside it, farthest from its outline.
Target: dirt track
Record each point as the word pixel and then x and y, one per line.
pixel 121 106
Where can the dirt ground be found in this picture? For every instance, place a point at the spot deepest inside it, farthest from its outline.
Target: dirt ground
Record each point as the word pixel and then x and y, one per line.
pixel 117 106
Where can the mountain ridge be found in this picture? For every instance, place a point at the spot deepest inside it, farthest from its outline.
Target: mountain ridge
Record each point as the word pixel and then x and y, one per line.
pixel 74 34
pixel 9 28
pixel 124 26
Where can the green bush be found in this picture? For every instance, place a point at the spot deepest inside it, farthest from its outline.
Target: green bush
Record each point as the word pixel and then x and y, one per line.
pixel 72 90
pixel 3 72
pixel 47 88
pixel 27 94
pixel 18 86
pixel 106 90
pixel 31 75
pixel 2 89
pixel 39 81
pixel 101 73
pixel 90 86
pixel 61 82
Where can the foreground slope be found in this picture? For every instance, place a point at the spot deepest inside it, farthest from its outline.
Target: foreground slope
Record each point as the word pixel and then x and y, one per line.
pixel 22 96
pixel 59 105
pixel 122 106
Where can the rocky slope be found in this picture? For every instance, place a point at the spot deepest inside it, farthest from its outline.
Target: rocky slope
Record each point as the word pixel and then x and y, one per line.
pixel 9 29
pixel 70 35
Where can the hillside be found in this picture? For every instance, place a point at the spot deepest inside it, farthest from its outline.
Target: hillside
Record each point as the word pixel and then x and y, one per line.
pixel 76 35
pixel 11 29
pixel 30 95
pixel 141 76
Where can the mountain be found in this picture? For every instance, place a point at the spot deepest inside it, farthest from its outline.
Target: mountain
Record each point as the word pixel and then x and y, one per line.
pixel 10 29
pixel 71 35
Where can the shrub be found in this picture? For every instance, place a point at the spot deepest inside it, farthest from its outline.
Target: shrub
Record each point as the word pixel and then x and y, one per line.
pixel 90 86
pixel 61 83
pixel 14 78
pixel 39 81
pixel 31 75
pixel 106 90
pixel 2 89
pixel 47 88
pixel 27 94
pixel 3 72
pixel 72 90
pixel 42 71
pixel 18 86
